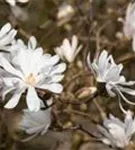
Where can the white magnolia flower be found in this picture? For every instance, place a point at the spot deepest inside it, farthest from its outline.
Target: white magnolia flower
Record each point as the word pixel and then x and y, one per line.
pixel 107 71
pixel 117 133
pixel 67 50
pixel 129 23
pixel 28 69
pixel 35 123
pixel 7 35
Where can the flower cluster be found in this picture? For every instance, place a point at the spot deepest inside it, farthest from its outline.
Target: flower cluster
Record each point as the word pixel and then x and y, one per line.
pixel 23 74
pixel 25 70
pixel 117 133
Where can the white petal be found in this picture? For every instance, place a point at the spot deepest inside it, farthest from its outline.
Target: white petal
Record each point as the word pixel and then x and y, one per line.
pixel 10 81
pixel 66 46
pixel 57 78
pixel 106 135
pixel 106 141
pixel 32 43
pixel 102 59
pixel 5 91
pixel 58 68
pixel 67 50
pixel 45 129
pixel 6 28
pixel 90 65
pixel 112 74
pixel 11 2
pixel 127 90
pixel 23 1
pixel 109 89
pixel 74 42
pixel 7 39
pixel 54 59
pixel 15 99
pixel 32 100
pixel 129 83
pixel 54 87
pixel 59 51
pixel 125 99
pixel 34 130
pixel 7 66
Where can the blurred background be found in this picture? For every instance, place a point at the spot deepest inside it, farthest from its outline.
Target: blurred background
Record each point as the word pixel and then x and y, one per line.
pixel 97 26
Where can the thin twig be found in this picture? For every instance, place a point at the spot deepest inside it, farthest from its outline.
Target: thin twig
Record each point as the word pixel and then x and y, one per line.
pixel 24 33
pixel 101 111
pixel 98 36
pixel 87 132
pixel 77 102
pixel 81 113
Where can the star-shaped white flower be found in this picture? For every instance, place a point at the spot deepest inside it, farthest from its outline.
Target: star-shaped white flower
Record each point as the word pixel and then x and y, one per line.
pixel 28 69
pixel 7 35
pixel 129 23
pixel 117 133
pixel 68 51
pixel 34 123
pixel 107 71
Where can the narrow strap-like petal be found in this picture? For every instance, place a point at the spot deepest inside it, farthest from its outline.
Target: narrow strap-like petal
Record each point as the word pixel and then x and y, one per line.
pixel 32 100
pixel 15 99
pixel 32 43
pixel 9 68
pixel 5 29
pixel 54 87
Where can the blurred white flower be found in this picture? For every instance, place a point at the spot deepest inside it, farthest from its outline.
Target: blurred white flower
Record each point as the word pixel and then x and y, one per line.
pixel 13 2
pixel 29 68
pixel 35 123
pixel 65 11
pixel 117 133
pixel 18 12
pixel 107 71
pixel 129 23
pixel 68 51
pixel 7 35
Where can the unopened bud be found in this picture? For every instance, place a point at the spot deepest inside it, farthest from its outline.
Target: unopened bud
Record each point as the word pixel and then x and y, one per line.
pixel 85 92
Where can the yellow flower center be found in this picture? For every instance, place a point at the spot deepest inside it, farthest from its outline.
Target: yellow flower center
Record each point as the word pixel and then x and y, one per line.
pixel 31 79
